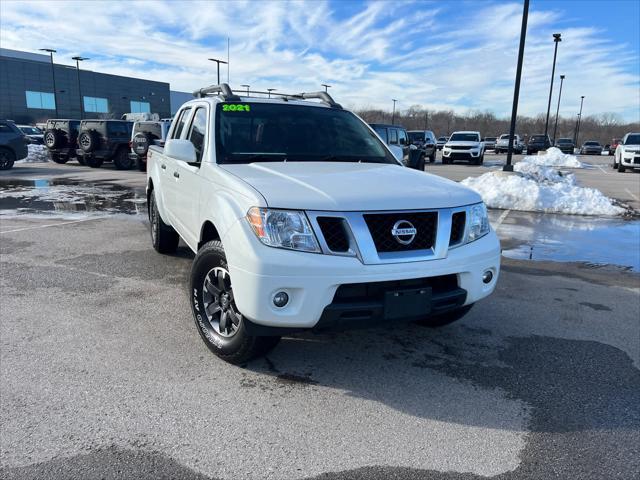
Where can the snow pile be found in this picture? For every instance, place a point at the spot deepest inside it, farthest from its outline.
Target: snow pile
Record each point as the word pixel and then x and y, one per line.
pixel 37 154
pixel 536 188
pixel 554 158
pixel 61 193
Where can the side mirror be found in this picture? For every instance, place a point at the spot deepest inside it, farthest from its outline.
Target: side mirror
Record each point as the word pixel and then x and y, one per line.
pixel 402 141
pixel 180 149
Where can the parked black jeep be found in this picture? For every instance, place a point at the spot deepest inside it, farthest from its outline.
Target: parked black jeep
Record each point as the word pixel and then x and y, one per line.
pixel 61 139
pixel 105 141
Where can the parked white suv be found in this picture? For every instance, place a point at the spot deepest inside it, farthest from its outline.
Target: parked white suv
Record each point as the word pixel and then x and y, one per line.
pixel 301 218
pixel 466 146
pixel 627 153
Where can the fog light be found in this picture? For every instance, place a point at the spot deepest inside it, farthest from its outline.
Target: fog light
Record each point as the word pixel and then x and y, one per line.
pixel 280 299
pixel 487 276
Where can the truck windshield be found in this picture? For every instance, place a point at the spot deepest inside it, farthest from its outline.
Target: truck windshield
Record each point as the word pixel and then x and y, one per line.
pixel 263 132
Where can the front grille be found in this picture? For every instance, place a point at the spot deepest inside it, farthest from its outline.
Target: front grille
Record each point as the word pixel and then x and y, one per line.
pixel 334 233
pixel 460 147
pixel 460 155
pixel 381 224
pixel 458 221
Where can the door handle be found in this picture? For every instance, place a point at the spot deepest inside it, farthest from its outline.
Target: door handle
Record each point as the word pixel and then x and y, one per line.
pixel 163 166
pixel 176 174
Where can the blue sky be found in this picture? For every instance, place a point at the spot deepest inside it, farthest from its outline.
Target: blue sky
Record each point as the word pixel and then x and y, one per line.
pixel 458 55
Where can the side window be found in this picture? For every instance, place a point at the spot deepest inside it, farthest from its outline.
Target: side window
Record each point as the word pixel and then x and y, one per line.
pixel 182 120
pixel 197 131
pixel 402 137
pixel 383 133
pixel 393 136
pixel 4 128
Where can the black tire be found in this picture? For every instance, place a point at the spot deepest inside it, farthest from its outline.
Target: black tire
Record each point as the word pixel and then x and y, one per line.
pixel 59 158
pixel 614 165
pixel 88 140
pixel 237 347
pixel 432 157
pixel 93 162
pixel 122 160
pixel 163 237
pixel 621 168
pixel 81 161
pixel 141 164
pixel 435 321
pixel 7 159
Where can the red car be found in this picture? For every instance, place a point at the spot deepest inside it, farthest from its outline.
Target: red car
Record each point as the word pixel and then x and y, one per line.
pixel 613 146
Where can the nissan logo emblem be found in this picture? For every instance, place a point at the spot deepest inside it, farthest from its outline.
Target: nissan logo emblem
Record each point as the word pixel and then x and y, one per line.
pixel 404 232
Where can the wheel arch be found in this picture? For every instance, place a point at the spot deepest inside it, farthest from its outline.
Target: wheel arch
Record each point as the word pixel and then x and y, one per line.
pixel 208 232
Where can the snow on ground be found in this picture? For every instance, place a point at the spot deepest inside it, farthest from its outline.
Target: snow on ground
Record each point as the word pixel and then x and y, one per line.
pixel 554 158
pixel 37 153
pixel 538 188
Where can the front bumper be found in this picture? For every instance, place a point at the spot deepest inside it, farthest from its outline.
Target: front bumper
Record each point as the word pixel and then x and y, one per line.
pixel 461 154
pixel 630 159
pixel 311 280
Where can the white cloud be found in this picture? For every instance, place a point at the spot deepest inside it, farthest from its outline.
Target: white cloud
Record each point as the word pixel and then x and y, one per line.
pixel 419 53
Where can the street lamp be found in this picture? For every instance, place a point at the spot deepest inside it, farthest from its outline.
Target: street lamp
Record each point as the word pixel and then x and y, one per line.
pixel 326 87
pixel 393 115
pixel 555 127
pixel 247 87
pixel 79 59
pixel 578 122
pixel 556 40
pixel 516 91
pixel 218 62
pixel 53 76
pixel 269 90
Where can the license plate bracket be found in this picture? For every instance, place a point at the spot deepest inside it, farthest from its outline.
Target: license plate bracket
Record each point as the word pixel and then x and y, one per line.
pixel 412 302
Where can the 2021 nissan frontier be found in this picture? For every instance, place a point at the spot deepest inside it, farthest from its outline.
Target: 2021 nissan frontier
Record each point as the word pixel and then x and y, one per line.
pixel 301 218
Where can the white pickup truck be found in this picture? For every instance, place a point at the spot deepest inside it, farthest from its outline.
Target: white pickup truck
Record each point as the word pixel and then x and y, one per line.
pixel 301 218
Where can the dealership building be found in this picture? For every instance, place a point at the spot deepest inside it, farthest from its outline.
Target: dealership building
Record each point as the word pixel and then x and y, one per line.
pixel 31 91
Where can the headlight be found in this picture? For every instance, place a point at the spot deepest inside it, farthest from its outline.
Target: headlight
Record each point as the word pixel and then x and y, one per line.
pixel 283 229
pixel 478 222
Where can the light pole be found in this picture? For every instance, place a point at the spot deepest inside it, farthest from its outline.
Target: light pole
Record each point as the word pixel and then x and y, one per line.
pixel 269 90
pixel 555 127
pixel 577 134
pixel 53 77
pixel 326 87
pixel 516 91
pixel 218 62
pixel 79 59
pixel 393 115
pixel 556 40
pixel 247 87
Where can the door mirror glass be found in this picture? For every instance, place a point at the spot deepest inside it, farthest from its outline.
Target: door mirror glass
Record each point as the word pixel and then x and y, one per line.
pixel 182 150
pixel 397 152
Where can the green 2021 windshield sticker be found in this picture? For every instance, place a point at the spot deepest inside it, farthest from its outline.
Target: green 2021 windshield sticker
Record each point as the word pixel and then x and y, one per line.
pixel 232 107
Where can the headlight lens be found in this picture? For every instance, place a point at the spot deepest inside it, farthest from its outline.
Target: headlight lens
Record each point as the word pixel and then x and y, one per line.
pixel 478 222
pixel 283 229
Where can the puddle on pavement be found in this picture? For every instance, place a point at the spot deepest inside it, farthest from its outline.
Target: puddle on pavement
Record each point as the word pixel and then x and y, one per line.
pixel 68 196
pixel 570 238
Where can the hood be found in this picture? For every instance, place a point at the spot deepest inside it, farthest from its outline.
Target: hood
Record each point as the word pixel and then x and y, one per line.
pixel 341 186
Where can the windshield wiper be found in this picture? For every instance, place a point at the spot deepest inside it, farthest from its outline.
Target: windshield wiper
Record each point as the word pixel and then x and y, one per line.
pixel 256 157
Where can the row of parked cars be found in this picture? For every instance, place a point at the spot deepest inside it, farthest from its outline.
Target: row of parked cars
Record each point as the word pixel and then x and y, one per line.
pixel 93 142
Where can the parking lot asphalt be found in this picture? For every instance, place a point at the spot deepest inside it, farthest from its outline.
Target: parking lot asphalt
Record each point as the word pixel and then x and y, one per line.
pixel 103 374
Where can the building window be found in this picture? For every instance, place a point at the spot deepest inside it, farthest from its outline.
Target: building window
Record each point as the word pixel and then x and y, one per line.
pixel 42 100
pixel 140 107
pixel 97 105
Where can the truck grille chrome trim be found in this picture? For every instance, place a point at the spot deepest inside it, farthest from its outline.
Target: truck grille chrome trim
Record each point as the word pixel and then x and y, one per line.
pixel 437 232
